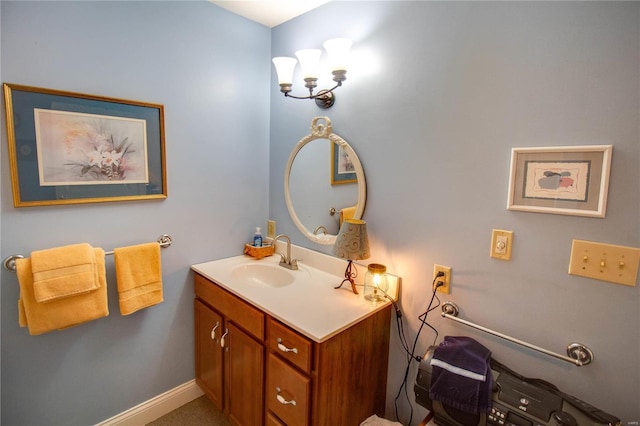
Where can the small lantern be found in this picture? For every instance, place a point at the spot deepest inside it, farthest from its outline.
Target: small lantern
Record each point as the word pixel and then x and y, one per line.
pixel 375 283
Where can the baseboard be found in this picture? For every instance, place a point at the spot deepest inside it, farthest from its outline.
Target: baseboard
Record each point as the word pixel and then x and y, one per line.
pixel 156 407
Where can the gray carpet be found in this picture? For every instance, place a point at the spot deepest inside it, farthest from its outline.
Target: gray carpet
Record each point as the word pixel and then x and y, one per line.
pixel 199 412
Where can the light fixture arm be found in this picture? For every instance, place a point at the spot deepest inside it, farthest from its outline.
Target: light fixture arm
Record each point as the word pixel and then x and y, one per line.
pixel 324 98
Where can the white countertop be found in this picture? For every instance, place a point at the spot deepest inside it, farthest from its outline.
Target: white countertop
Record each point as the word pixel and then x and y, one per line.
pixel 311 306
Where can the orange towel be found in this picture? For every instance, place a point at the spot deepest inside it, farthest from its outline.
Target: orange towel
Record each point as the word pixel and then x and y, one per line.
pixel 139 276
pixel 347 213
pixel 63 272
pixel 63 312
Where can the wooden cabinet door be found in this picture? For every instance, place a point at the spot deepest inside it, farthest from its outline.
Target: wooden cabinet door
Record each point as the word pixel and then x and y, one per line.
pixel 209 356
pixel 245 383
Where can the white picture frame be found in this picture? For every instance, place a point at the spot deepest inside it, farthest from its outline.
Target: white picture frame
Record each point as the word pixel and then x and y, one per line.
pixel 568 180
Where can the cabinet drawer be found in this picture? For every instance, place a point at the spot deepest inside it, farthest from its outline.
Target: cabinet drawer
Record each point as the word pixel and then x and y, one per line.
pixel 290 345
pixel 288 392
pixel 273 421
pixel 231 306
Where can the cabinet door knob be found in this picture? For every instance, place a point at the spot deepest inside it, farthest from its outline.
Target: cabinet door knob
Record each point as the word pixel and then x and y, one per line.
pixel 283 401
pixel 285 349
pixel 213 330
pixel 226 331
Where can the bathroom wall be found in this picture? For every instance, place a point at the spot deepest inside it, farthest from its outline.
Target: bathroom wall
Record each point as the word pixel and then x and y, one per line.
pixel 437 95
pixel 210 69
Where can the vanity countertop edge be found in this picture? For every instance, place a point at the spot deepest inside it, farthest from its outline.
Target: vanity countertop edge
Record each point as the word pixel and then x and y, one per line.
pixel 314 308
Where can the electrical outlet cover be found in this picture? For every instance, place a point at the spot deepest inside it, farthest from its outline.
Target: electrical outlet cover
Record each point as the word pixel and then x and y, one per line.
pixel 446 279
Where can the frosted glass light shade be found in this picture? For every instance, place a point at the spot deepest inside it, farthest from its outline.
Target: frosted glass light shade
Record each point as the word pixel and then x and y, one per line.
pixel 284 68
pixel 309 62
pixel 338 51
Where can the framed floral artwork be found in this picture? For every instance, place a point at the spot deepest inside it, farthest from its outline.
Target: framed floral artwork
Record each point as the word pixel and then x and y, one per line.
pixel 570 180
pixel 71 148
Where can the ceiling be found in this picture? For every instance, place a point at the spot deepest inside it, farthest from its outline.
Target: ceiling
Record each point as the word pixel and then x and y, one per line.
pixel 269 12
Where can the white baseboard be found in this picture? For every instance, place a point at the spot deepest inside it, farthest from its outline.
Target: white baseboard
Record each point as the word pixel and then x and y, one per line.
pixel 156 407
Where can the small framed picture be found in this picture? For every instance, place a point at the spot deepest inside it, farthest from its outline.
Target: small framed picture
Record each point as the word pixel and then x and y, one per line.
pixel 342 169
pixel 71 148
pixel 569 180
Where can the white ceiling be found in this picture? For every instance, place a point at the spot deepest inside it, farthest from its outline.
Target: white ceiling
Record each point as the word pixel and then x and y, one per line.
pixel 269 12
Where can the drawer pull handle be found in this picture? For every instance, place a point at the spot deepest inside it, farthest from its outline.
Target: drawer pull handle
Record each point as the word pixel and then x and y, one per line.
pixel 226 331
pixel 213 330
pixel 283 401
pixel 283 348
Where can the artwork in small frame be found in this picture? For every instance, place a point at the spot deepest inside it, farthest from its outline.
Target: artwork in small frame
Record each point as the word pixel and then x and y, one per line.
pixel 342 170
pixel 569 180
pixel 72 148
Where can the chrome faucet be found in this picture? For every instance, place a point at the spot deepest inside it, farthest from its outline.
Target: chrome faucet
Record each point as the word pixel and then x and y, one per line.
pixel 286 261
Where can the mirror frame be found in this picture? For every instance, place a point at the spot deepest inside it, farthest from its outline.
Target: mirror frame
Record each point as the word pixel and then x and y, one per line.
pixel 321 129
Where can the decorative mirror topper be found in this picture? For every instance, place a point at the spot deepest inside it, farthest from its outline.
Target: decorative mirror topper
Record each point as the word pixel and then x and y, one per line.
pixel 321 128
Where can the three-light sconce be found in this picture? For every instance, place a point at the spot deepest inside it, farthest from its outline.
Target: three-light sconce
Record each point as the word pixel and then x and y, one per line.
pixel 338 54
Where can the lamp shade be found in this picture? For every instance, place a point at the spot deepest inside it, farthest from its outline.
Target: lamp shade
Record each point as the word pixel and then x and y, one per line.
pixel 352 242
pixel 284 67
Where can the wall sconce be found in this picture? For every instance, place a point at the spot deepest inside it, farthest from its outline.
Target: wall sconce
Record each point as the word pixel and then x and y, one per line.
pixel 338 52
pixel 375 283
pixel 352 244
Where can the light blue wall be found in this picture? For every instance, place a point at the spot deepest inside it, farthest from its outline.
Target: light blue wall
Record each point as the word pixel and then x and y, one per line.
pixel 438 94
pixel 211 71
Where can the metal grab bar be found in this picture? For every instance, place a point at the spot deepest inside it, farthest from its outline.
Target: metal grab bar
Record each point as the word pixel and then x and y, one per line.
pixel 578 353
pixel 10 261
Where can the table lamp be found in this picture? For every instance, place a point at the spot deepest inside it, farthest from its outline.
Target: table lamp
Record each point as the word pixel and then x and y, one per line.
pixel 351 244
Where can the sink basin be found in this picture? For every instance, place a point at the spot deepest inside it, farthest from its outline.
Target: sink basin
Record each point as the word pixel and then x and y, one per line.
pixel 264 275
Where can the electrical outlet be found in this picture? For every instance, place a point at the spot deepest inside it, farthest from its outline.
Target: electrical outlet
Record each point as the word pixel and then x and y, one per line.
pixel 446 278
pixel 501 242
pixel 271 228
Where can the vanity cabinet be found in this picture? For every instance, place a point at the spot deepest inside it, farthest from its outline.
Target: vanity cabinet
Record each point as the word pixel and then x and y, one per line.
pixel 229 336
pixel 281 376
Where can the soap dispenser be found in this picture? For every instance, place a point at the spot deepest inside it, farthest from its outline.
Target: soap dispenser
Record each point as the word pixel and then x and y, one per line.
pixel 257 238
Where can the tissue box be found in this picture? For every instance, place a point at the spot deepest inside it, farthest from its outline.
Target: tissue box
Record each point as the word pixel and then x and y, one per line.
pixel 259 252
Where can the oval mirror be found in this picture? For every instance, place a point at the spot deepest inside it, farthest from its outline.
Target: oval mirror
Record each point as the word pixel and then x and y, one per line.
pixel 325 182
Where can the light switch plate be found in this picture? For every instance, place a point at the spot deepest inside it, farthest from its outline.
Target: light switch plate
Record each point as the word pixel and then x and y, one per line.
pixel 605 262
pixel 271 228
pixel 501 242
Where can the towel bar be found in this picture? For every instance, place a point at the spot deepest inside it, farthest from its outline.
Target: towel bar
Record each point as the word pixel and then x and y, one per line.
pixel 578 353
pixel 10 261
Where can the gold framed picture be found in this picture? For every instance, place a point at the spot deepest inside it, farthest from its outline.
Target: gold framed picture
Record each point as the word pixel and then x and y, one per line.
pixel 72 148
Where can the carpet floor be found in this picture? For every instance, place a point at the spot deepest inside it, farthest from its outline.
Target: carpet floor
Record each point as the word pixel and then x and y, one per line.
pixel 199 412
